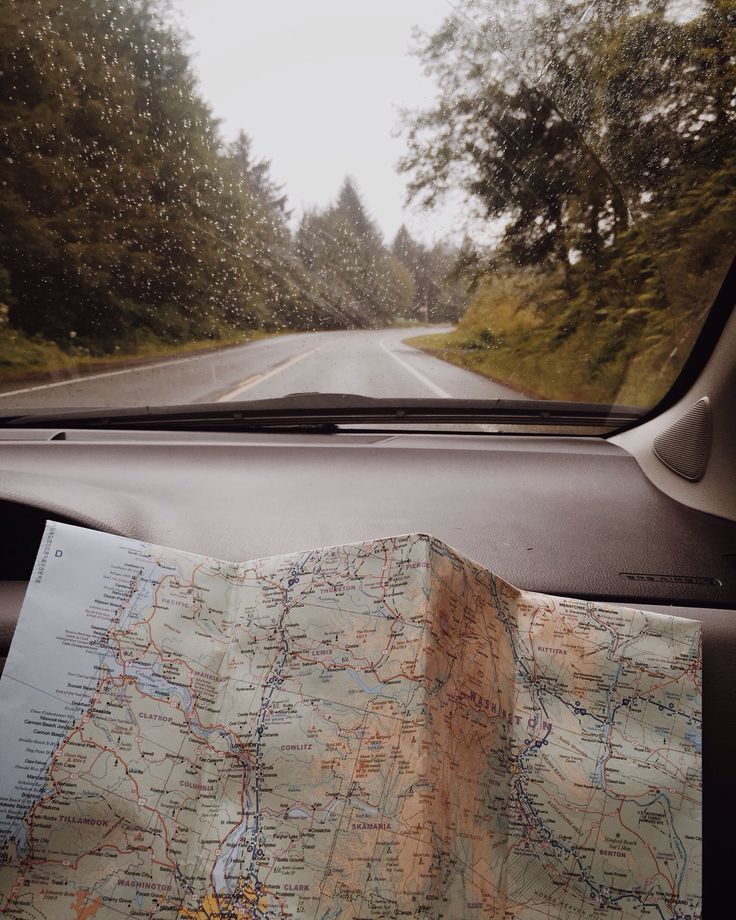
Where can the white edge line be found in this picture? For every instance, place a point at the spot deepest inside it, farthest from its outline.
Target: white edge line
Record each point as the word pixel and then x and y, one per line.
pixel 418 374
pixel 259 378
pixel 128 370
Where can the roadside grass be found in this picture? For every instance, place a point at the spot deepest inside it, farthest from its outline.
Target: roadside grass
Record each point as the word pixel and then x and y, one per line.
pixel 24 358
pixel 522 331
pixel 618 331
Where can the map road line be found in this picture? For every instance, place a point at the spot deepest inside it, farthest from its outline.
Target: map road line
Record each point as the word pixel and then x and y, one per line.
pixel 315 636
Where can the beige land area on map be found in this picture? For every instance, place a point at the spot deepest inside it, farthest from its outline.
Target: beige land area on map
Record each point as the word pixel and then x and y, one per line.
pixel 377 730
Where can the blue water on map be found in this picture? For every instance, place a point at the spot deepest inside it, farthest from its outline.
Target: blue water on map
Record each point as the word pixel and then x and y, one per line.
pixel 58 654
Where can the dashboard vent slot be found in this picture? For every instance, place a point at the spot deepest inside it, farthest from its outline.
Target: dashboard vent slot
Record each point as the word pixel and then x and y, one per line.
pixel 684 447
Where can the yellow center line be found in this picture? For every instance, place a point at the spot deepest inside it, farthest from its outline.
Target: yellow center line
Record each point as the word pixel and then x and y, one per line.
pixel 255 379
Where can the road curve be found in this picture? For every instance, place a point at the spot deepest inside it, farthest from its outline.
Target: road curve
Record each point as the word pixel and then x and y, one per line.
pixel 375 363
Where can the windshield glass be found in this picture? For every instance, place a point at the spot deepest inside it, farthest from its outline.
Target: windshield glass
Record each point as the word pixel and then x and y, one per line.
pixel 220 201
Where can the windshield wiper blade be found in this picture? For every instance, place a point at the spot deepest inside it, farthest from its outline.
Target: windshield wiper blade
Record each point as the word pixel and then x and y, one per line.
pixel 326 411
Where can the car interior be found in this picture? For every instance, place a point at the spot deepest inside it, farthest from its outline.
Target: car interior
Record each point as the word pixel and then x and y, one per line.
pixel 645 517
pixel 611 478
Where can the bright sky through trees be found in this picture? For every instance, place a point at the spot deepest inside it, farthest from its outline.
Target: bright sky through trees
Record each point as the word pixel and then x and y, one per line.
pixel 317 85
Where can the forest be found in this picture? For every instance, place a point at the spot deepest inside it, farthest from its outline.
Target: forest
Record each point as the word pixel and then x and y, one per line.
pixel 597 137
pixel 126 220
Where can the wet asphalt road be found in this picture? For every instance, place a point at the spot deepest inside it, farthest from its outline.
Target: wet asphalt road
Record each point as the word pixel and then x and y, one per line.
pixel 375 363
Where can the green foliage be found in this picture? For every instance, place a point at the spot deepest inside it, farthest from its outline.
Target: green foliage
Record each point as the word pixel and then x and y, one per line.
pixel 122 212
pixel 603 137
pixel 602 339
pixel 6 296
pixel 364 284
pixel 438 294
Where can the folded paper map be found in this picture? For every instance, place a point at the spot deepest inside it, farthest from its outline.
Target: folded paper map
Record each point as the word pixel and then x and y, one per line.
pixel 377 730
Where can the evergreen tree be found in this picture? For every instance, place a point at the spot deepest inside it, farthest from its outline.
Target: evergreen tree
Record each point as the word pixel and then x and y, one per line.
pixel 438 296
pixel 342 246
pixel 122 214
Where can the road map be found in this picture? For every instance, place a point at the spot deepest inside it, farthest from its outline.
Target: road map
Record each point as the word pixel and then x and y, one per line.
pixel 376 730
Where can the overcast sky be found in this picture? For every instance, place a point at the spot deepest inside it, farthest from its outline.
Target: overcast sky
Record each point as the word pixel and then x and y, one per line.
pixel 317 84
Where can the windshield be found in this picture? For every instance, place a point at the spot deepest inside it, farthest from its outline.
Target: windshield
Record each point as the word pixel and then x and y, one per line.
pixel 224 201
